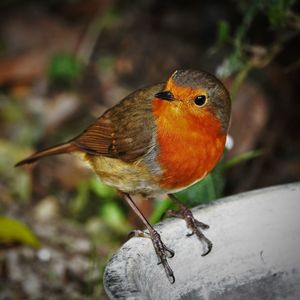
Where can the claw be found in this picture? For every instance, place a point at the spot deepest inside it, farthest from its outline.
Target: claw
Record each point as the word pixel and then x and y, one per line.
pixel 167 268
pixel 167 253
pixel 170 251
pixel 190 234
pixel 168 271
pixel 163 252
pixel 194 226
pixel 209 245
pixel 201 225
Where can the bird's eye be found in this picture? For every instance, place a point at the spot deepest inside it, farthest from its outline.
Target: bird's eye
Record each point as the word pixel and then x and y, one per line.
pixel 200 100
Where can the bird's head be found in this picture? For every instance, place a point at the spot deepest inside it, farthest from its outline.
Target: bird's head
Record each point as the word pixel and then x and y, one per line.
pixel 197 93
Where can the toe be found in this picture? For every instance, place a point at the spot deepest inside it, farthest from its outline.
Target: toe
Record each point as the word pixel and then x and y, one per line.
pixel 201 225
pixel 208 247
pixel 190 233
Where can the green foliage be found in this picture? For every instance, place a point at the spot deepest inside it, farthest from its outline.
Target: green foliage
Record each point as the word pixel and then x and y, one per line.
pixel 106 63
pixel 277 11
pixel 232 64
pixel 13 114
pixel 94 199
pixel 241 59
pixel 237 60
pixel 242 157
pixel 64 67
pixel 13 231
pixel 102 190
pixel 16 180
pixel 206 190
pixel 80 201
pixel 114 217
pixel 85 190
pixel 250 13
pixel 223 33
pixel 160 208
pixel 110 19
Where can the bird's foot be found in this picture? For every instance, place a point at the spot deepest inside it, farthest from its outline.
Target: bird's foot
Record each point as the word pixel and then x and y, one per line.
pixel 194 225
pixel 162 251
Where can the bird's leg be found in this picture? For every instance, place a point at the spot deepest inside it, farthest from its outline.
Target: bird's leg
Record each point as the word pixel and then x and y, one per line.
pixel 193 224
pixel 162 251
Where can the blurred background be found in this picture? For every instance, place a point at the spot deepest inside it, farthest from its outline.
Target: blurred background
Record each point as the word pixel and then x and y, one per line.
pixel 64 62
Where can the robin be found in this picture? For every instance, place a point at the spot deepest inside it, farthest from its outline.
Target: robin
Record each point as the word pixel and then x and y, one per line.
pixel 157 140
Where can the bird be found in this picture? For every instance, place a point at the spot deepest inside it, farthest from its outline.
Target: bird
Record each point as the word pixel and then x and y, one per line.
pixel 157 140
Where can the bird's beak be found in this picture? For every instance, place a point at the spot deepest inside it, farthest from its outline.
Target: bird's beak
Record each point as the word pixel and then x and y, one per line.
pixel 165 95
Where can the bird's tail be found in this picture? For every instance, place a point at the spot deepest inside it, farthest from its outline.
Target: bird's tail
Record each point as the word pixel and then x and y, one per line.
pixel 59 149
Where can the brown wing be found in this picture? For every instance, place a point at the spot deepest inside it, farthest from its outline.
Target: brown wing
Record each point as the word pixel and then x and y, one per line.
pixel 125 131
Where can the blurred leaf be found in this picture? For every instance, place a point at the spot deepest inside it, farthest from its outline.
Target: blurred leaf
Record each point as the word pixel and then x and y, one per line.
pixel 14 231
pixel 65 67
pixel 10 111
pixel 277 11
pixel 22 185
pixel 250 13
pixel 78 204
pixel 232 64
pixel 242 157
pixel 91 193
pixel 160 207
pixel 113 216
pixel 106 63
pixel 208 189
pixel 104 234
pixel 23 128
pixel 110 19
pixel 16 180
pixel 102 190
pixel 222 33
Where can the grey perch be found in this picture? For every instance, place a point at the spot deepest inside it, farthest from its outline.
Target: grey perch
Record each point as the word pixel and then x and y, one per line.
pixel 256 253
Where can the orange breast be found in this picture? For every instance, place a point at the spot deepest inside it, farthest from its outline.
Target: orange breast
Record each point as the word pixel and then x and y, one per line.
pixel 189 146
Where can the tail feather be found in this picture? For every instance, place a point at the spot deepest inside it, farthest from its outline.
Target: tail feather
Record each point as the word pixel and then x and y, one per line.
pixel 59 149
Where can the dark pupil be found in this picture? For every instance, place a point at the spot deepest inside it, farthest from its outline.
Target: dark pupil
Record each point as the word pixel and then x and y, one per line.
pixel 200 100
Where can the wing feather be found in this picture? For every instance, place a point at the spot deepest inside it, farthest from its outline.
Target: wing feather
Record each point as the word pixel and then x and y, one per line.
pixel 125 131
